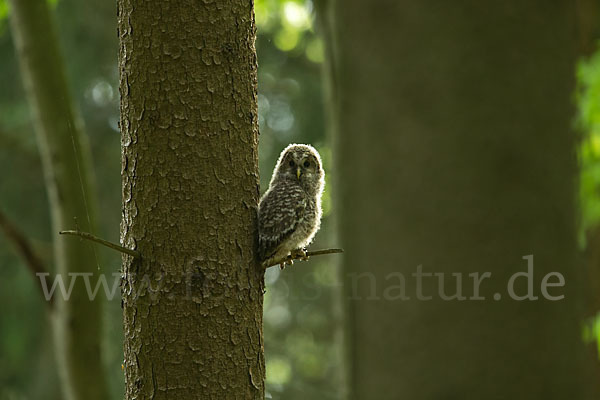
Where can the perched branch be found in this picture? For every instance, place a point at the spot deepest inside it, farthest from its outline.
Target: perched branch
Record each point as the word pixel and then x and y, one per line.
pixel 114 246
pixel 303 257
pixel 24 249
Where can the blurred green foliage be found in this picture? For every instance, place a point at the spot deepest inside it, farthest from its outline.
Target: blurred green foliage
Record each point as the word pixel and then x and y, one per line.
pixel 302 321
pixel 588 77
pixel 588 121
pixel 3 10
pixel 302 317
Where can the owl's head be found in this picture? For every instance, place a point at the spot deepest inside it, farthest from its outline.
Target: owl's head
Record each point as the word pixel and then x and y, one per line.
pixel 300 163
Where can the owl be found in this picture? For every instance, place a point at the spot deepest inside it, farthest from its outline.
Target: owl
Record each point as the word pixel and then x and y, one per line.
pixel 289 213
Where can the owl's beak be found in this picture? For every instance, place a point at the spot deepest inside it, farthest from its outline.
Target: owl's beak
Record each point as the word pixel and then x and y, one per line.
pixel 298 173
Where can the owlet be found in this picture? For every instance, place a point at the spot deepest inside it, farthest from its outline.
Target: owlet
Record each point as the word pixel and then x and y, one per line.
pixel 289 213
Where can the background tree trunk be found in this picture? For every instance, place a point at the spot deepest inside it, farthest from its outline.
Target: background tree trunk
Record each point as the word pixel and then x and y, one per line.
pixel 190 191
pixel 66 160
pixel 455 152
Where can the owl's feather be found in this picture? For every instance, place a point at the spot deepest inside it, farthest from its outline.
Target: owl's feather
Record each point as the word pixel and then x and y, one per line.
pixel 282 209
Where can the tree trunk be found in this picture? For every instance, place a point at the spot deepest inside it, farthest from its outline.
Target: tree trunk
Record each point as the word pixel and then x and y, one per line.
pixel 455 153
pixel 66 161
pixel 193 302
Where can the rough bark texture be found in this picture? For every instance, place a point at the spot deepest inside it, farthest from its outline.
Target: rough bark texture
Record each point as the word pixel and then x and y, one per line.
pixel 455 152
pixel 190 191
pixel 67 169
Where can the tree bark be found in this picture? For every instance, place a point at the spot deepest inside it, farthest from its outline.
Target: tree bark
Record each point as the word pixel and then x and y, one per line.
pixel 455 153
pixel 67 170
pixel 193 302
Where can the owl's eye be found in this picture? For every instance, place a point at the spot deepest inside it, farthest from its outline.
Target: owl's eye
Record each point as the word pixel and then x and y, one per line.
pixel 292 163
pixel 306 164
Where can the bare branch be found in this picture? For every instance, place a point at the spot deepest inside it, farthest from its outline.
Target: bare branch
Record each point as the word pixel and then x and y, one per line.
pixel 288 259
pixel 114 246
pixel 24 249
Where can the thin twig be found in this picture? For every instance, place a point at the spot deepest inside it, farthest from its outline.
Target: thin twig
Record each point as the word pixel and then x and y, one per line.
pixel 114 246
pixel 24 249
pixel 303 258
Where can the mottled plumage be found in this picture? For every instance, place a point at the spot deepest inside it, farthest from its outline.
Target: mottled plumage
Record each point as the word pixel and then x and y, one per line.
pixel 289 213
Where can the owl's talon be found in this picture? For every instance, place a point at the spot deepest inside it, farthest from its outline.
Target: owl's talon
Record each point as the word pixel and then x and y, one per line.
pixel 305 256
pixel 288 261
pixel 300 254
